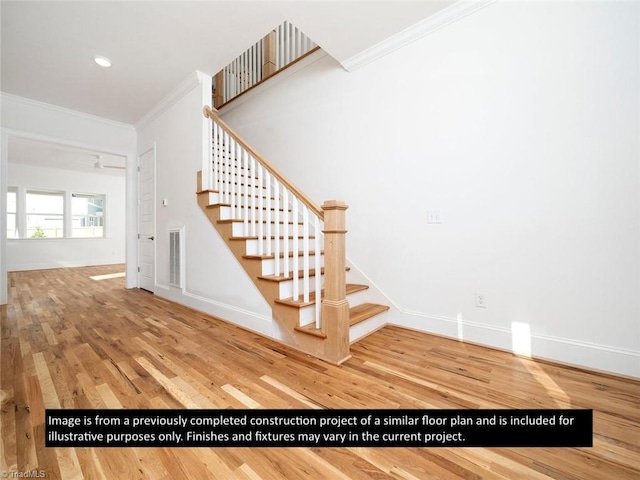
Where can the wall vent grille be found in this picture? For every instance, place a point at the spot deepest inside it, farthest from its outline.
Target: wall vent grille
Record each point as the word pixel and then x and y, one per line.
pixel 175 258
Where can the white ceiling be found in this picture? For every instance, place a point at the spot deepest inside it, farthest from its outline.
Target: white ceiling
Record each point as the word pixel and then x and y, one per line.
pixel 47 50
pixel 47 47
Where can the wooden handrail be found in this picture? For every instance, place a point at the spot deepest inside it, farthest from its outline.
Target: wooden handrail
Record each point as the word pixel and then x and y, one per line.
pixel 213 114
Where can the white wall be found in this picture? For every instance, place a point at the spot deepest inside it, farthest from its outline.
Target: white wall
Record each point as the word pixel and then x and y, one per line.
pixel 29 254
pixel 214 281
pixel 520 122
pixel 34 120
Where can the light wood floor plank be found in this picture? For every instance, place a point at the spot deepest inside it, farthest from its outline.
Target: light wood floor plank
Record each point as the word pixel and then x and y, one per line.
pixel 67 341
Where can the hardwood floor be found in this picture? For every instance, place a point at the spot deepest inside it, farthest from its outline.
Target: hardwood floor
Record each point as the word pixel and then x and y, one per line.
pixel 72 342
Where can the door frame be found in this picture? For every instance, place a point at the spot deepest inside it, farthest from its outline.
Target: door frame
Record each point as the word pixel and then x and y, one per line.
pixel 138 214
pixel 131 220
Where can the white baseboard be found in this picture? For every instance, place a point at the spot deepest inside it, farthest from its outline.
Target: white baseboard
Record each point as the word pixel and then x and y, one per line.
pixel 246 319
pixel 568 351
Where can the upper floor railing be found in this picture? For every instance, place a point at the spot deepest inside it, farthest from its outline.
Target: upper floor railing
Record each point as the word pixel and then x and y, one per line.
pixel 280 48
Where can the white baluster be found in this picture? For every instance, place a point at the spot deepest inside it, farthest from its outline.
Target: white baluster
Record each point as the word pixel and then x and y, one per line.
pixel 296 267
pixel 254 206
pixel 267 194
pixel 259 60
pixel 260 211
pixel 285 45
pixel 305 253
pixel 318 268
pixel 236 68
pixel 246 71
pixel 239 76
pixel 231 80
pixel 216 153
pixel 254 56
pixel 278 47
pixel 225 95
pixel 232 184
pixel 245 215
pixel 241 73
pixel 238 180
pixel 225 167
pixel 276 225
pixel 285 229
pixel 292 43
pixel 252 66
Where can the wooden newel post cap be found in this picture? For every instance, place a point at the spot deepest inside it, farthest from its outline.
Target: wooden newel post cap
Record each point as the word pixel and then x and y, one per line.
pixel 334 216
pixel 334 205
pixel 209 112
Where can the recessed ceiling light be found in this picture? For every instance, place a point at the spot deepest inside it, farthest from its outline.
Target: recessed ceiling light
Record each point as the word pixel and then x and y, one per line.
pixel 102 61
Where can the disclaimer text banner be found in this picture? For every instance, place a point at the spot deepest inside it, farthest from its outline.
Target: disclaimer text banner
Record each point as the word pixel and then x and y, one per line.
pixel 319 428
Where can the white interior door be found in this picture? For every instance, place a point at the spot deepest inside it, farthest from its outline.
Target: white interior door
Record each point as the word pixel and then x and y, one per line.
pixel 146 221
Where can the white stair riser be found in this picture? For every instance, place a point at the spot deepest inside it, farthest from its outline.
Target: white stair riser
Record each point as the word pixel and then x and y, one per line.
pixel 238 229
pixel 225 214
pixel 285 289
pixel 269 265
pixel 364 328
pixel 251 246
pixel 307 315
pixel 240 198
pixel 308 312
pixel 212 198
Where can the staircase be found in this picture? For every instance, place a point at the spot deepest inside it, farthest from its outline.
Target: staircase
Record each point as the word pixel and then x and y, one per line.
pixel 292 249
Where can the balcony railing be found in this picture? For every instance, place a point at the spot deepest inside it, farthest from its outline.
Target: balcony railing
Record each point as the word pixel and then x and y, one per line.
pixel 280 48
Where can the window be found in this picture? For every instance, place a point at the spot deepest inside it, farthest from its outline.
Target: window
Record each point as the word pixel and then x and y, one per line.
pixel 54 214
pixel 87 215
pixel 45 214
pixel 12 213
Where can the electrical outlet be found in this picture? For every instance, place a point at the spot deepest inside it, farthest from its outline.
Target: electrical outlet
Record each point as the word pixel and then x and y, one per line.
pixel 481 300
pixel 434 215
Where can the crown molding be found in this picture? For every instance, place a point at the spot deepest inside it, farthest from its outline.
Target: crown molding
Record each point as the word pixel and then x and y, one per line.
pixel 188 84
pixel 425 27
pixel 9 98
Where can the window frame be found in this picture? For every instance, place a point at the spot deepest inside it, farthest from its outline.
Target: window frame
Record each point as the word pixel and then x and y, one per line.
pixel 23 231
pixel 16 214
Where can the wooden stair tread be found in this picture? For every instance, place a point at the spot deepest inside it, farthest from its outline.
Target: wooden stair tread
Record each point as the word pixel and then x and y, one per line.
pixel 282 278
pixel 311 330
pixel 238 220
pixel 357 314
pixel 350 288
pixel 272 237
pixel 218 205
pixel 362 312
pixel 272 256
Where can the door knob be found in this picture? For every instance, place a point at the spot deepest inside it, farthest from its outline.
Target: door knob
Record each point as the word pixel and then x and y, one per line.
pixel 149 238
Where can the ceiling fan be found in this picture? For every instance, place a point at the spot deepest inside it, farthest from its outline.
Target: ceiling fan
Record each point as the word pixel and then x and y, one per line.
pixel 101 165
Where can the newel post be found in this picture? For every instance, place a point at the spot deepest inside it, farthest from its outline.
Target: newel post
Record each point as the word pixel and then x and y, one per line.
pixel 218 82
pixel 270 45
pixel 335 307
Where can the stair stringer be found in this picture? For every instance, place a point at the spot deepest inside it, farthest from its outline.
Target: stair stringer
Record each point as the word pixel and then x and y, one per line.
pixel 286 317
